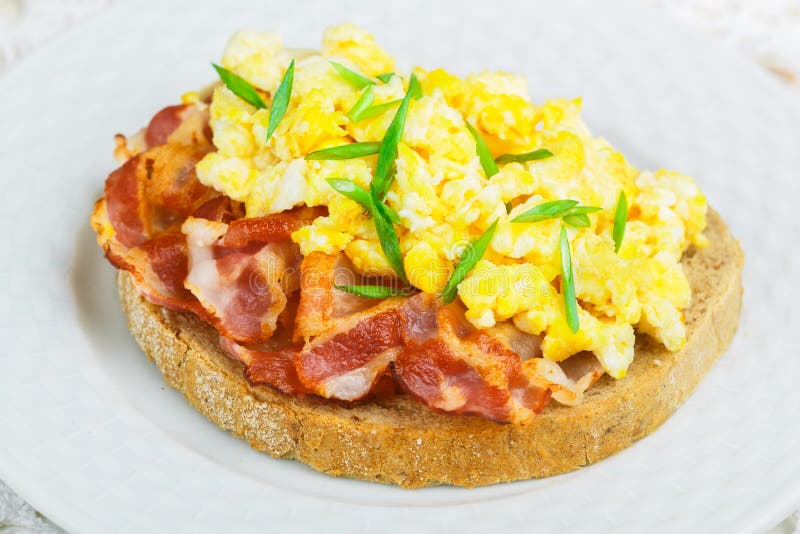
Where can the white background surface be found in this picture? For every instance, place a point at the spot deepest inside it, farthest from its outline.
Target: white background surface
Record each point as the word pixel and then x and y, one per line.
pixel 752 28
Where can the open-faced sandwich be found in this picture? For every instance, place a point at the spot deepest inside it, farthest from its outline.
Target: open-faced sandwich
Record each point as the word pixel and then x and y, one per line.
pixel 411 277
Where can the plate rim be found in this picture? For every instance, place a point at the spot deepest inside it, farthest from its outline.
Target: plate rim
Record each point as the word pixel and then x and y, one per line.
pixel 56 505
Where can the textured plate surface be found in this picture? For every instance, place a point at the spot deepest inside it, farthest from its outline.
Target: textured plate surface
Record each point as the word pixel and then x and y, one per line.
pixel 94 439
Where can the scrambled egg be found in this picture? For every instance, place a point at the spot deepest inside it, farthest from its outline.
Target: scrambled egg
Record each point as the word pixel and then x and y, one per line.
pixel 444 199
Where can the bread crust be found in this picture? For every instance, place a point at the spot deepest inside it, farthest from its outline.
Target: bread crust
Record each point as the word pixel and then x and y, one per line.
pixel 400 441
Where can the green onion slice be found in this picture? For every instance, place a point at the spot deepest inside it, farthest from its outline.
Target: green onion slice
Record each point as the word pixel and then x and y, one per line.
pixel 546 210
pixel 581 209
pixel 469 258
pixel 385 77
pixel 620 218
pixel 487 162
pixel 578 220
pixel 542 153
pixel 280 101
pixel 378 109
pixel 352 191
pixel 349 151
pixel 375 292
pixel 353 78
pixel 363 103
pixel 387 236
pixel 568 283
pixel 388 153
pixel 358 194
pixel 240 87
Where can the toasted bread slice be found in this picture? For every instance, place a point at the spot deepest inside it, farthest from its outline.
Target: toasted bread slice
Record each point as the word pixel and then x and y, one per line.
pixel 400 441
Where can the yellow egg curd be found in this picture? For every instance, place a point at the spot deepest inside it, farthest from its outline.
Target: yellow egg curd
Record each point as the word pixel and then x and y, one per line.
pixel 444 198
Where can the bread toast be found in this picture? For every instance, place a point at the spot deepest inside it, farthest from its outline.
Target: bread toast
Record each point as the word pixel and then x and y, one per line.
pixel 400 441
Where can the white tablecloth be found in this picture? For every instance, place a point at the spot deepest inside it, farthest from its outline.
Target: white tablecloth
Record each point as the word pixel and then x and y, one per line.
pixel 768 31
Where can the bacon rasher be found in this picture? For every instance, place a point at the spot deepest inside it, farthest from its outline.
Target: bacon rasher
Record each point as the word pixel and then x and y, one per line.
pixel 181 124
pixel 242 276
pixel 567 380
pixel 452 367
pixel 153 191
pixel 244 289
pixel 345 364
pixel 158 266
pixel 270 228
pixel 268 367
pixel 321 304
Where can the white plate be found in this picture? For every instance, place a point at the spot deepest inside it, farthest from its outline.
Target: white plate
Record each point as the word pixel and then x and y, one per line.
pixel 91 436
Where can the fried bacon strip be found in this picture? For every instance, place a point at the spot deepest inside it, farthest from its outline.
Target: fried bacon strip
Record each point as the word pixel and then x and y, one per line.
pixel 158 266
pixel 321 304
pixel 163 124
pixel 182 124
pixel 452 367
pixel 269 228
pixel 346 362
pixel 221 209
pixel 243 289
pixel 242 277
pixel 185 124
pixel 153 191
pixel 125 203
pixel 349 341
pixel 268 367
pixel 567 380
